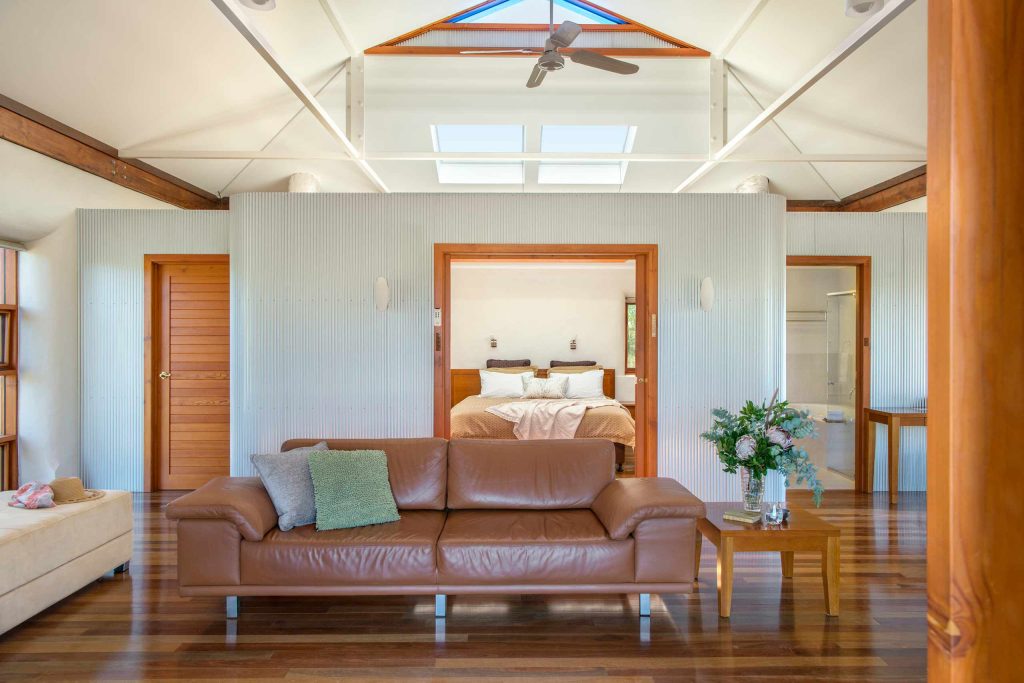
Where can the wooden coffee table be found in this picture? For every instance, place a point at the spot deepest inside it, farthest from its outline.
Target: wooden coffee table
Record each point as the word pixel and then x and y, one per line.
pixel 803 532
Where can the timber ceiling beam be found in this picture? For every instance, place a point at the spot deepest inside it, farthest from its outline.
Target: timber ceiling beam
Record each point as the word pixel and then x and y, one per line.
pixel 893 192
pixel 41 134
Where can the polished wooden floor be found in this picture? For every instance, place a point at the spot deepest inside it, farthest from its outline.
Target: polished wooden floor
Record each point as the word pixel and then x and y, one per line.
pixel 135 626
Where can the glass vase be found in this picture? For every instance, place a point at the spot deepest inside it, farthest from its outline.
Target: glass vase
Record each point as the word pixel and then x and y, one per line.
pixel 752 489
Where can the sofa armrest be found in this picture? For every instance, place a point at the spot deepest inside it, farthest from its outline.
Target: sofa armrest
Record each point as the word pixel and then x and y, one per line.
pixel 624 503
pixel 240 500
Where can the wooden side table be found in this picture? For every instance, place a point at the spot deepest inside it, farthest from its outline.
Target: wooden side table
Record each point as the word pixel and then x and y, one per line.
pixel 803 532
pixel 893 419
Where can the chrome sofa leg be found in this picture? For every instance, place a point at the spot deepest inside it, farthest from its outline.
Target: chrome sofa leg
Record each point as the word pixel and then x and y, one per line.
pixel 440 606
pixel 645 604
pixel 231 606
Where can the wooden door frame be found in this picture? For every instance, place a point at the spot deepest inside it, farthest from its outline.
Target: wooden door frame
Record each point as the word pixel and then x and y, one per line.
pixel 151 351
pixel 863 480
pixel 646 256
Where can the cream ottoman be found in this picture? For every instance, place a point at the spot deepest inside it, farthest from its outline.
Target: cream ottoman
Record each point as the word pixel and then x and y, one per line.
pixel 46 555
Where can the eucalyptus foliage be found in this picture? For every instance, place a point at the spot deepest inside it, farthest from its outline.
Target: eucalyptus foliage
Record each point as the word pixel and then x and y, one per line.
pixel 760 438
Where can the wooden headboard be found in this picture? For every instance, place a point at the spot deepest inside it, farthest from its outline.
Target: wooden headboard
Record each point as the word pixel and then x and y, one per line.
pixel 467 382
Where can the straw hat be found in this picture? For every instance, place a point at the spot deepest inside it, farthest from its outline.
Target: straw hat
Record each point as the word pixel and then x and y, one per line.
pixel 70 490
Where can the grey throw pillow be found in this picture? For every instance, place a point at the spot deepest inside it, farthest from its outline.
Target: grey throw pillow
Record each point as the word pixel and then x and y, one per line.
pixel 287 480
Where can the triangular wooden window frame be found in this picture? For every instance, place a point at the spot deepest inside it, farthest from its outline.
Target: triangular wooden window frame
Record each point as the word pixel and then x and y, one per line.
pixel 394 47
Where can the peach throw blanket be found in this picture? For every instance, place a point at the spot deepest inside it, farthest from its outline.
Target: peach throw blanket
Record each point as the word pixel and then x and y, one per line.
pixel 547 418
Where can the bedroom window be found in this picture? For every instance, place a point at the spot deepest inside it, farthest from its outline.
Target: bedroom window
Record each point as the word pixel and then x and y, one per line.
pixel 478 138
pixel 585 139
pixel 8 368
pixel 630 336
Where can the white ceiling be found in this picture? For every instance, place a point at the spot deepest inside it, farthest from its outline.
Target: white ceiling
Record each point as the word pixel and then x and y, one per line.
pixel 174 74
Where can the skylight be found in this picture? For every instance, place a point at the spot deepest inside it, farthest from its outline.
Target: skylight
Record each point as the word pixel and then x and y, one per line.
pixel 478 138
pixel 535 12
pixel 588 139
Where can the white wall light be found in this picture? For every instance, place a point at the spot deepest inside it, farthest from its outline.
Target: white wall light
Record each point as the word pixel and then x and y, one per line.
pixel 381 294
pixel 707 294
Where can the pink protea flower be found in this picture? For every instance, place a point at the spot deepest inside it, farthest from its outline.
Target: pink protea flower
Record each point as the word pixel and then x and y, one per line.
pixel 780 437
pixel 745 446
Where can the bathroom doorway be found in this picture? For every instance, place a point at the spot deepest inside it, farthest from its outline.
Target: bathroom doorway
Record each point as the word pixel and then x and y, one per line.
pixel 827 347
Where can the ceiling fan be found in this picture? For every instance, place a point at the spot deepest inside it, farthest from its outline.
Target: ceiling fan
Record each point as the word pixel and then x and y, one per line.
pixel 551 60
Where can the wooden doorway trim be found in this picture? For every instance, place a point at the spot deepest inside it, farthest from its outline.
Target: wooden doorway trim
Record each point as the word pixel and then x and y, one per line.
pixel 646 257
pixel 863 480
pixel 151 352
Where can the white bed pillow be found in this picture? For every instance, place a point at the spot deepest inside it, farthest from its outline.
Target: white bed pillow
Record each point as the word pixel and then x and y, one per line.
pixel 551 387
pixel 503 384
pixel 585 384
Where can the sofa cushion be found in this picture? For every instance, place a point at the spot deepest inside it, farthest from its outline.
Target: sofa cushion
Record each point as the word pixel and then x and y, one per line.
pixel 528 475
pixel 352 489
pixel 399 552
pixel 286 478
pixel 34 542
pixel 530 547
pixel 417 468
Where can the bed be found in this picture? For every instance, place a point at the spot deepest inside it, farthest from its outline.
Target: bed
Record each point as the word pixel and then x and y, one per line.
pixel 470 419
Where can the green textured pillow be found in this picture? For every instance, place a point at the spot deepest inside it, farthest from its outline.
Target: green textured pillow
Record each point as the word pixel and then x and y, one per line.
pixel 351 489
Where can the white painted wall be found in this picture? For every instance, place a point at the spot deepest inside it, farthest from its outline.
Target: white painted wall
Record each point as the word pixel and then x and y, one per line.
pixel 535 310
pixel 897 245
pixel 48 387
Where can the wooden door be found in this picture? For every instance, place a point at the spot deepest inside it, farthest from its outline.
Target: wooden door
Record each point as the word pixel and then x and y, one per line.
pixel 192 368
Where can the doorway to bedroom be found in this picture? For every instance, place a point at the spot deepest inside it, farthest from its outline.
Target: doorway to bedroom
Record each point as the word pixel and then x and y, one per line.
pixel 578 320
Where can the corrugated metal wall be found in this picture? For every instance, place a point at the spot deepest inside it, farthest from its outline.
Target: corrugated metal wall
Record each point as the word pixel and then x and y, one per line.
pixel 897 245
pixel 112 244
pixel 312 357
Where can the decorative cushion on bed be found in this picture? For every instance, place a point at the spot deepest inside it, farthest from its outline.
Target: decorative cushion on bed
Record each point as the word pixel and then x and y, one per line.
pixel 285 476
pixel 571 363
pixel 499 363
pixel 532 369
pixel 503 384
pixel 552 387
pixel 585 384
pixel 573 369
pixel 351 489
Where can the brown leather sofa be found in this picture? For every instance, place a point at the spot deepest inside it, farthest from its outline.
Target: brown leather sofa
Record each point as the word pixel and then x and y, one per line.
pixel 478 516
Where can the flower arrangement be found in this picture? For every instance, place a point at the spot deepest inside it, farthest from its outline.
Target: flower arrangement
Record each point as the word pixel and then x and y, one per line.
pixel 760 438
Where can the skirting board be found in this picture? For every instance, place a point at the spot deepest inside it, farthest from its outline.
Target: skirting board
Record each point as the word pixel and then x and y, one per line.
pixel 27 600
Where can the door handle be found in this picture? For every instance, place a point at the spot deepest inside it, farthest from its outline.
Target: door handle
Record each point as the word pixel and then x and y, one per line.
pixel 165 375
pixel 641 380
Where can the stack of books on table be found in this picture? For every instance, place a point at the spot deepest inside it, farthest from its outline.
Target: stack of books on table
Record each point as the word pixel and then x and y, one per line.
pixel 741 516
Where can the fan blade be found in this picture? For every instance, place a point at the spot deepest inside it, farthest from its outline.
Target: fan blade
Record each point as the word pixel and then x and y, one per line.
pixel 565 34
pixel 537 77
pixel 599 61
pixel 520 51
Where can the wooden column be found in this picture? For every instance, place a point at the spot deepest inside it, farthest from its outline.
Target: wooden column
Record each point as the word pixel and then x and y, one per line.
pixel 976 339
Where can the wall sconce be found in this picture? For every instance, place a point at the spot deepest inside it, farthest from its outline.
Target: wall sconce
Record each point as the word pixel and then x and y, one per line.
pixel 381 294
pixel 707 294
pixel 494 343
pixel 572 344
